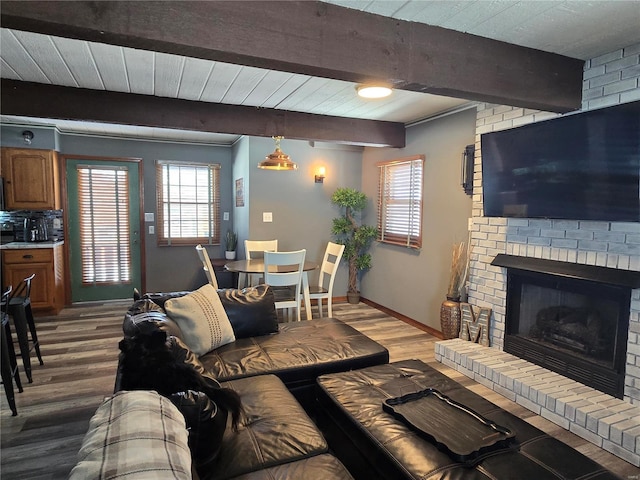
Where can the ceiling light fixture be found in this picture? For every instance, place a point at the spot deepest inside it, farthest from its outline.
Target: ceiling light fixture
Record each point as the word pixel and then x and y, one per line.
pixel 373 91
pixel 278 160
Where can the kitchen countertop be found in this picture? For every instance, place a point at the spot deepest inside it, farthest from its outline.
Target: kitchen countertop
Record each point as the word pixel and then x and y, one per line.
pixel 15 245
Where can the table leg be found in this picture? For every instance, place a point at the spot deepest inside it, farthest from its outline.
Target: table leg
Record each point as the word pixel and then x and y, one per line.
pixel 305 293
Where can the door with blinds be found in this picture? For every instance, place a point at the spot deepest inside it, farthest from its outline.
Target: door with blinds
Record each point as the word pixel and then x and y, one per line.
pixel 103 229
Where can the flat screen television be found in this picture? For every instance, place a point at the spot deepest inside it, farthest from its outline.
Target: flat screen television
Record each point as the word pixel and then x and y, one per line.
pixel 581 166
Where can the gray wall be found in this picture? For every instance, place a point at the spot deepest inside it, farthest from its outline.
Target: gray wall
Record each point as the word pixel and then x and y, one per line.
pixel 167 268
pixel 302 209
pixel 414 283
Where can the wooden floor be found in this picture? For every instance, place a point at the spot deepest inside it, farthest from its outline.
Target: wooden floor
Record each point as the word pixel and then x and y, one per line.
pixel 80 348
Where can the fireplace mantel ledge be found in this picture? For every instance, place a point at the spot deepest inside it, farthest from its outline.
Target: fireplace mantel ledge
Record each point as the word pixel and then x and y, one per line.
pixel 612 276
pixel 608 422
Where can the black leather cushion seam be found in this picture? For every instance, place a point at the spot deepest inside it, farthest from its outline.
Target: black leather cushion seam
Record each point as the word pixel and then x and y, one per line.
pixel 380 447
pixel 587 476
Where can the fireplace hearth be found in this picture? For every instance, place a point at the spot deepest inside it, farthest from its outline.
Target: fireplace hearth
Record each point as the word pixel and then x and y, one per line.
pixel 570 318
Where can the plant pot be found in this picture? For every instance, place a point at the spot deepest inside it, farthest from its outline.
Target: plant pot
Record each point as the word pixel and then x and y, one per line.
pixel 353 298
pixel 230 255
pixel 450 318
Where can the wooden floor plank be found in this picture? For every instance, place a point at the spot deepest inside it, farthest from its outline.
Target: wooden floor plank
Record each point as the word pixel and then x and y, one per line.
pixel 80 352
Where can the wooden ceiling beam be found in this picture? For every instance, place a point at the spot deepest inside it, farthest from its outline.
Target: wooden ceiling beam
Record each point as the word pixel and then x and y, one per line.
pixel 318 39
pixel 68 103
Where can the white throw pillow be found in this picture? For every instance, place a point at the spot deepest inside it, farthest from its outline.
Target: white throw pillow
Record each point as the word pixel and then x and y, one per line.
pixel 202 319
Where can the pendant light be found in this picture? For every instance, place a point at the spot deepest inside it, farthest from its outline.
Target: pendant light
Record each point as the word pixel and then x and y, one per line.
pixel 278 160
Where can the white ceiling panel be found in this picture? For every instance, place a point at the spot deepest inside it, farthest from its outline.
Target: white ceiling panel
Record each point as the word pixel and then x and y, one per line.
pixel 47 57
pixel 195 75
pixel 220 80
pixel 20 61
pixel 139 66
pixel 267 86
pixel 109 61
pixel 168 74
pixel 244 83
pixel 78 58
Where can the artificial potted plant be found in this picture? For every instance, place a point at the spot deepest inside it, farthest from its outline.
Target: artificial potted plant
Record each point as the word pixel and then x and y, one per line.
pixel 231 243
pixel 354 236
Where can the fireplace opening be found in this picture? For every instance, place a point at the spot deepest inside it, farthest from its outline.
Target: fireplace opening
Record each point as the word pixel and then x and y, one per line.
pixel 572 319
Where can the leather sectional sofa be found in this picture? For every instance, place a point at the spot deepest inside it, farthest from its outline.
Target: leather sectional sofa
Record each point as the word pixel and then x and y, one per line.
pixel 273 367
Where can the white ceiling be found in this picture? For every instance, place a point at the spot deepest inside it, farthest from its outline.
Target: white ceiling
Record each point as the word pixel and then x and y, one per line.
pixel 579 29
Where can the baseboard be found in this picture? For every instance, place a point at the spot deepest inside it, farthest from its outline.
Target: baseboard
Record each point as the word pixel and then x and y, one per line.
pixel 404 318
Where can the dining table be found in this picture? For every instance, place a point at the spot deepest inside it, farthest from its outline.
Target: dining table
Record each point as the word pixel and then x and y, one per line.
pixel 256 265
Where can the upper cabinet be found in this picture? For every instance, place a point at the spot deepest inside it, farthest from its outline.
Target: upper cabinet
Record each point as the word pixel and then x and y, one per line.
pixel 31 179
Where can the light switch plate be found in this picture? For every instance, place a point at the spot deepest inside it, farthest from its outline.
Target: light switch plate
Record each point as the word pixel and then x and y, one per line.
pixel 267 216
pixel 152 229
pixel 148 217
pixel 225 216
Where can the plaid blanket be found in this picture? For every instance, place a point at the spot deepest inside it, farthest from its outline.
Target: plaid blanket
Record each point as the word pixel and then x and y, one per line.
pixel 135 435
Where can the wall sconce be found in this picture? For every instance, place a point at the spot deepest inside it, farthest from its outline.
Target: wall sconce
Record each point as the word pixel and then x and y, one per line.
pixel 27 135
pixel 320 174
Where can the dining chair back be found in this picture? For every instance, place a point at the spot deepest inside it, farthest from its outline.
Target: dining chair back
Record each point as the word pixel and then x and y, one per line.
pixel 206 266
pixel 255 249
pixel 324 289
pixel 283 272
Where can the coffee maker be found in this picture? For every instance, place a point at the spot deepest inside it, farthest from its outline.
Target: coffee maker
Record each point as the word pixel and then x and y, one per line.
pixel 35 229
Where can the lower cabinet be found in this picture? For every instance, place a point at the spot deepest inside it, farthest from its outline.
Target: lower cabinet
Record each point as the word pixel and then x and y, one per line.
pixel 47 287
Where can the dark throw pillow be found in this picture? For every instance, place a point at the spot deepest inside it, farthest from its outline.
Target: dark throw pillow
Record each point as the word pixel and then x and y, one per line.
pixel 251 311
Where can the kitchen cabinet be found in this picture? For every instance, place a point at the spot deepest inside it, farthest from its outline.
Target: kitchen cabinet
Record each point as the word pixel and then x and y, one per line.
pixel 31 179
pixel 47 288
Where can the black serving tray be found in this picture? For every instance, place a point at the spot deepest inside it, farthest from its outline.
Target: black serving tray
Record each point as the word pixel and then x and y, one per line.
pixel 454 428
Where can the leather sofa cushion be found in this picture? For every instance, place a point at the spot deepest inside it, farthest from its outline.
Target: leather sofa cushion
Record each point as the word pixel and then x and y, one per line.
pixel 353 403
pixel 274 430
pixel 320 467
pixel 298 354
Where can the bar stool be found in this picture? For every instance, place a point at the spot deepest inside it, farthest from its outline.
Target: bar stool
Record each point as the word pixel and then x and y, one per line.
pixel 20 311
pixel 9 366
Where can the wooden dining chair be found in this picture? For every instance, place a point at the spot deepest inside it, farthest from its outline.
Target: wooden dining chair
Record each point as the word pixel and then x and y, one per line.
pixel 287 285
pixel 206 266
pixel 255 249
pixel 324 289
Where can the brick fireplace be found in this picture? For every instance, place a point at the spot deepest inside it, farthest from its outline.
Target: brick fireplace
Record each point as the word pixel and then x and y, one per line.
pixel 572 319
pixel 609 422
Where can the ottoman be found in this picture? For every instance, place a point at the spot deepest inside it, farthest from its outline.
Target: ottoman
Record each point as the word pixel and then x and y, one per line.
pixel 375 444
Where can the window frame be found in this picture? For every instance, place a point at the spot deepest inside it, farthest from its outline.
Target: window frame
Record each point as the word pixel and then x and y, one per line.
pixel 411 237
pixel 213 217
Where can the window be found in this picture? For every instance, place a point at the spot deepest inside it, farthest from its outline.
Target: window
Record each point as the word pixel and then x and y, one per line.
pixel 188 196
pixel 400 202
pixel 103 200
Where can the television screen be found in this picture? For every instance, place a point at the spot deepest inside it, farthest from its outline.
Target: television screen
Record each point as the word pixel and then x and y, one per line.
pixel 582 166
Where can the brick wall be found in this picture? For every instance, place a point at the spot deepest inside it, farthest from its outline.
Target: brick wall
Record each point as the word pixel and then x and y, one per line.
pixel 610 79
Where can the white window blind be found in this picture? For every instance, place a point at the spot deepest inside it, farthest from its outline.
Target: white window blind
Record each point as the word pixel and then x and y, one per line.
pixel 400 202
pixel 103 198
pixel 188 203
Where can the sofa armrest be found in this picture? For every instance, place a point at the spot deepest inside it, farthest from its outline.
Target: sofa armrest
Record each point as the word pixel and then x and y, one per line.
pixel 135 435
